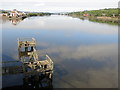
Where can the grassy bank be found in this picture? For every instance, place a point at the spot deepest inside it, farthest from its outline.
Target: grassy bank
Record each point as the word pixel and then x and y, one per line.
pixel 110 16
pixel 113 21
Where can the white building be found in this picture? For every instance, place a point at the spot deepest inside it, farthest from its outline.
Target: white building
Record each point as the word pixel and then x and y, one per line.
pixel 16 13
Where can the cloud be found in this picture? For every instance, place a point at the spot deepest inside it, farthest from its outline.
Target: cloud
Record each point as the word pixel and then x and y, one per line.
pixel 79 1
pixel 93 52
pixel 64 24
pixel 39 4
pixel 90 78
pixel 57 5
pixel 91 66
pixel 73 61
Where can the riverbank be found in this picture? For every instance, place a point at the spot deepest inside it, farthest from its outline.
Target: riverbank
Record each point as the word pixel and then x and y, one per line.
pixel 38 14
pixel 110 16
pixel 103 19
pixel 20 14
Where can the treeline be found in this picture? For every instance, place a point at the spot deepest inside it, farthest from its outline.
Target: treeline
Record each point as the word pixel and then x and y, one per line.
pixel 113 12
pixel 2 11
pixel 110 16
pixel 39 14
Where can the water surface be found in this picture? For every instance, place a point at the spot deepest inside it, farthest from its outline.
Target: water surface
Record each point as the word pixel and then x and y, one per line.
pixel 85 54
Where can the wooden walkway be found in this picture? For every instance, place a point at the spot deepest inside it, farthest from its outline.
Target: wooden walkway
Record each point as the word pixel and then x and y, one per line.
pixel 37 72
pixel 30 60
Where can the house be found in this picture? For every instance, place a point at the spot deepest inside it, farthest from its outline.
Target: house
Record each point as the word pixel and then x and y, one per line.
pixel 16 13
pixel 86 15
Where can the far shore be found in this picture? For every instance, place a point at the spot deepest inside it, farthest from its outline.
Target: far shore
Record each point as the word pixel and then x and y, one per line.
pixel 110 16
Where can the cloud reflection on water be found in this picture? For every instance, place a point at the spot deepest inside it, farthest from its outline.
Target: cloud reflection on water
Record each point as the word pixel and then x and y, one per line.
pixel 81 59
pixel 89 66
pixel 63 23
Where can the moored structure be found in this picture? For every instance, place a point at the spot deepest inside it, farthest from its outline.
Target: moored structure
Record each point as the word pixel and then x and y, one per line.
pixel 30 71
pixel 32 62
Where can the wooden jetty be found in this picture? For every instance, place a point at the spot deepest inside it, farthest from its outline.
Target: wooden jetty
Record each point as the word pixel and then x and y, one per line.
pixel 36 70
pixel 31 61
pixel 26 42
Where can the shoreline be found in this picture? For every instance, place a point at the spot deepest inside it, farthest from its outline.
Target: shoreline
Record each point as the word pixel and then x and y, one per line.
pixel 110 16
pixel 99 19
pixel 108 20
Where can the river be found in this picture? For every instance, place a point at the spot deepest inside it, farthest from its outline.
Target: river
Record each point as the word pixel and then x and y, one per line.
pixel 85 53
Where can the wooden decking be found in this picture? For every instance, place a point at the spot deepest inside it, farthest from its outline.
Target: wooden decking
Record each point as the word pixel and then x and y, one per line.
pixel 30 59
pixel 26 42
pixel 31 62
pixel 36 70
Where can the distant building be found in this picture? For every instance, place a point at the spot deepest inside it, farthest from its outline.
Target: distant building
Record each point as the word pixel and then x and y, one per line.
pixel 86 15
pixel 16 13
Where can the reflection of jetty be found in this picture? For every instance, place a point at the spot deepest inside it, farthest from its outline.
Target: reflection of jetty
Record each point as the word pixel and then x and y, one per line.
pixel 37 70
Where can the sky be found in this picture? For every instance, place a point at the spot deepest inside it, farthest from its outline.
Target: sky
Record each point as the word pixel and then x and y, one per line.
pixel 57 5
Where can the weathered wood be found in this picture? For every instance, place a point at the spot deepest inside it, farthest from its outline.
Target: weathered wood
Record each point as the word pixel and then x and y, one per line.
pixel 26 42
pixel 32 62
